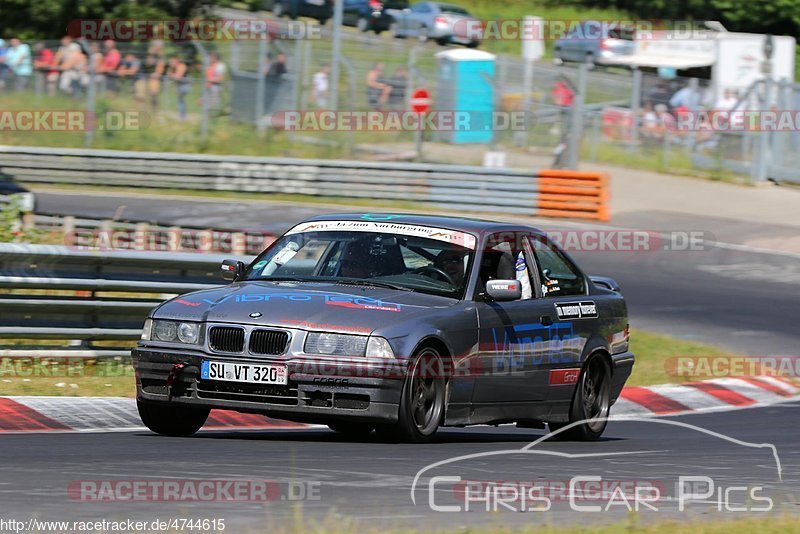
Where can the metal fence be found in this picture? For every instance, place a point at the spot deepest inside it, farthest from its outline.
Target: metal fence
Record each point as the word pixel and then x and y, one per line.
pixel 613 115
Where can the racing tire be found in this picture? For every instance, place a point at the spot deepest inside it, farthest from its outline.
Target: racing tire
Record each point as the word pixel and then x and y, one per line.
pixel 422 401
pixel 443 41
pixel 592 400
pixel 172 420
pixel 352 430
pixel 362 24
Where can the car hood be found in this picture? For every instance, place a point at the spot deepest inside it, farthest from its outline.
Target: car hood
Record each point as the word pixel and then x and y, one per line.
pixel 310 306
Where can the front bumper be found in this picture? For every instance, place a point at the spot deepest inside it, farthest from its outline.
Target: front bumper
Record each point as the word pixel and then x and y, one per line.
pixel 318 391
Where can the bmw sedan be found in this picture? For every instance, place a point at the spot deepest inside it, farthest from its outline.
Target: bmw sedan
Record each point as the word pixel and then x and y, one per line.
pixel 399 324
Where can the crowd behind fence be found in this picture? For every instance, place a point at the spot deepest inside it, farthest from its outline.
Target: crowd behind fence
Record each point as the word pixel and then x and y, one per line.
pixel 250 81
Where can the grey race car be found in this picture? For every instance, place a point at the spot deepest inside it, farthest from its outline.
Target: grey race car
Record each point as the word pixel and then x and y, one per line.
pixel 394 323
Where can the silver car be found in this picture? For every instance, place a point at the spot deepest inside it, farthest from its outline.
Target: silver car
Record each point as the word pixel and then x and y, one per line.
pixel 444 23
pixel 594 42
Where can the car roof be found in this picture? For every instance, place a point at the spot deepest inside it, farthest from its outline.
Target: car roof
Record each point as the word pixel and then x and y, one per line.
pixel 462 224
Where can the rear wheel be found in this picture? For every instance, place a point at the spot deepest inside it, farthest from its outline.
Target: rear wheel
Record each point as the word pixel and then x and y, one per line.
pixel 172 420
pixel 422 401
pixel 353 430
pixel 362 24
pixel 394 29
pixel 590 403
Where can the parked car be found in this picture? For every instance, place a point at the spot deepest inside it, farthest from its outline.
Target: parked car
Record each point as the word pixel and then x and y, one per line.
pixel 322 10
pixel 11 191
pixel 394 323
pixel 594 42
pixel 370 15
pixel 444 23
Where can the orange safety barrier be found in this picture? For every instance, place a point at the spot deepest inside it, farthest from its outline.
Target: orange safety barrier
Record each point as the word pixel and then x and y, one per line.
pixel 573 194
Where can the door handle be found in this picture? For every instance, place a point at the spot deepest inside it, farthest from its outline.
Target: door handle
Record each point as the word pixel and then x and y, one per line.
pixel 546 320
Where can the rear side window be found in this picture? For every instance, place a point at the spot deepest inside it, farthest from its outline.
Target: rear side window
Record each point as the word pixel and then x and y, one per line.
pixel 559 276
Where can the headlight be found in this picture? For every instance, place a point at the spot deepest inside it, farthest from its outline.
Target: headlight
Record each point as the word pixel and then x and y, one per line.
pixel 174 332
pixel 379 347
pixel 335 344
pixel 188 332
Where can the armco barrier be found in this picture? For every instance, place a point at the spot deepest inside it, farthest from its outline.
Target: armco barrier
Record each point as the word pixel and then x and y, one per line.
pixel 112 292
pixel 573 194
pixel 451 187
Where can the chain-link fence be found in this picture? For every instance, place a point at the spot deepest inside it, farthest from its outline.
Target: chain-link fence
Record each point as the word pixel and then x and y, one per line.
pixel 621 116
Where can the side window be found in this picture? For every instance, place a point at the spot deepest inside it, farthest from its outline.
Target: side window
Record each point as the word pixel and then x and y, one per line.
pixel 504 258
pixel 558 275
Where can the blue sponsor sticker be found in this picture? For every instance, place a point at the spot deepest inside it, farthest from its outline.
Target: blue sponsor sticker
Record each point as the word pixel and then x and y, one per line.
pixel 204 370
pixel 378 217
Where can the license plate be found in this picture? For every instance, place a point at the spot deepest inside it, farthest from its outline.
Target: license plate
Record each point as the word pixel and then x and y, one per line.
pixel 244 372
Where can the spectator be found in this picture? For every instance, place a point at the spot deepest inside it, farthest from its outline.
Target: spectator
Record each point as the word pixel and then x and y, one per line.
pixel 277 68
pixel 650 128
pixel 72 65
pixel 686 98
pixel 4 70
pixel 107 71
pixel 45 73
pixel 659 94
pixel 320 87
pixel 154 68
pixel 129 68
pixel 563 95
pixel 377 91
pixel 728 101
pixel 398 82
pixel 177 72
pixel 215 76
pixel 18 60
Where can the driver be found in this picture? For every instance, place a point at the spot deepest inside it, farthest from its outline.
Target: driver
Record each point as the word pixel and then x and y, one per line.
pixel 357 260
pixel 452 263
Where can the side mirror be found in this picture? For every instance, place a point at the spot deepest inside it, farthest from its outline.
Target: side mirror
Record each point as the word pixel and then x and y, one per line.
pixel 504 290
pixel 231 269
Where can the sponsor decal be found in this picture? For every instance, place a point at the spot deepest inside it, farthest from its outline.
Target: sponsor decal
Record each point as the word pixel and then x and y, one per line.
pixel 576 310
pixel 187 303
pixel 564 377
pixel 440 234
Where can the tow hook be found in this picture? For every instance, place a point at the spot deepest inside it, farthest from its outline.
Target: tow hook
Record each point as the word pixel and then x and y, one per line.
pixel 177 368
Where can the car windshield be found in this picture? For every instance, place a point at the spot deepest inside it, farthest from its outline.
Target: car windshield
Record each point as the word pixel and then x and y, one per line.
pixel 456 10
pixel 415 258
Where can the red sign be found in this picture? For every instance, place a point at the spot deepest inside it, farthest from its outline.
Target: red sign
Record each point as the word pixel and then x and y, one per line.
pixel 420 101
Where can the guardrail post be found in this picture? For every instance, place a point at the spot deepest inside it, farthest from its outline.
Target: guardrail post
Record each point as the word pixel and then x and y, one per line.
pixel 238 244
pixel 68 225
pixel 174 239
pixel 140 235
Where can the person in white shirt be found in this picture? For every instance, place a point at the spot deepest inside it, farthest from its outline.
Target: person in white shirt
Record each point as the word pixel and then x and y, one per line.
pixel 320 86
pixel 727 102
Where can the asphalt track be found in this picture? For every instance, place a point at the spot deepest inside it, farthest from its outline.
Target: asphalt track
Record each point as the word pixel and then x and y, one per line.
pixel 738 297
pixel 370 482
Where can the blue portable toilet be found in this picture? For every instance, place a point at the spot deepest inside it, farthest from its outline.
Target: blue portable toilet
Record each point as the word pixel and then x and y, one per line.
pixel 466 87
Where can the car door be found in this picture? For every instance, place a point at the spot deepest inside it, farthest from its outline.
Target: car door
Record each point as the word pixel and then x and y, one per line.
pixel 563 291
pixel 416 18
pixel 514 337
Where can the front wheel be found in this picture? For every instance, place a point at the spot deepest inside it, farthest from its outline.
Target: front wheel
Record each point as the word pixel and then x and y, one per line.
pixel 422 401
pixel 590 403
pixel 172 420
